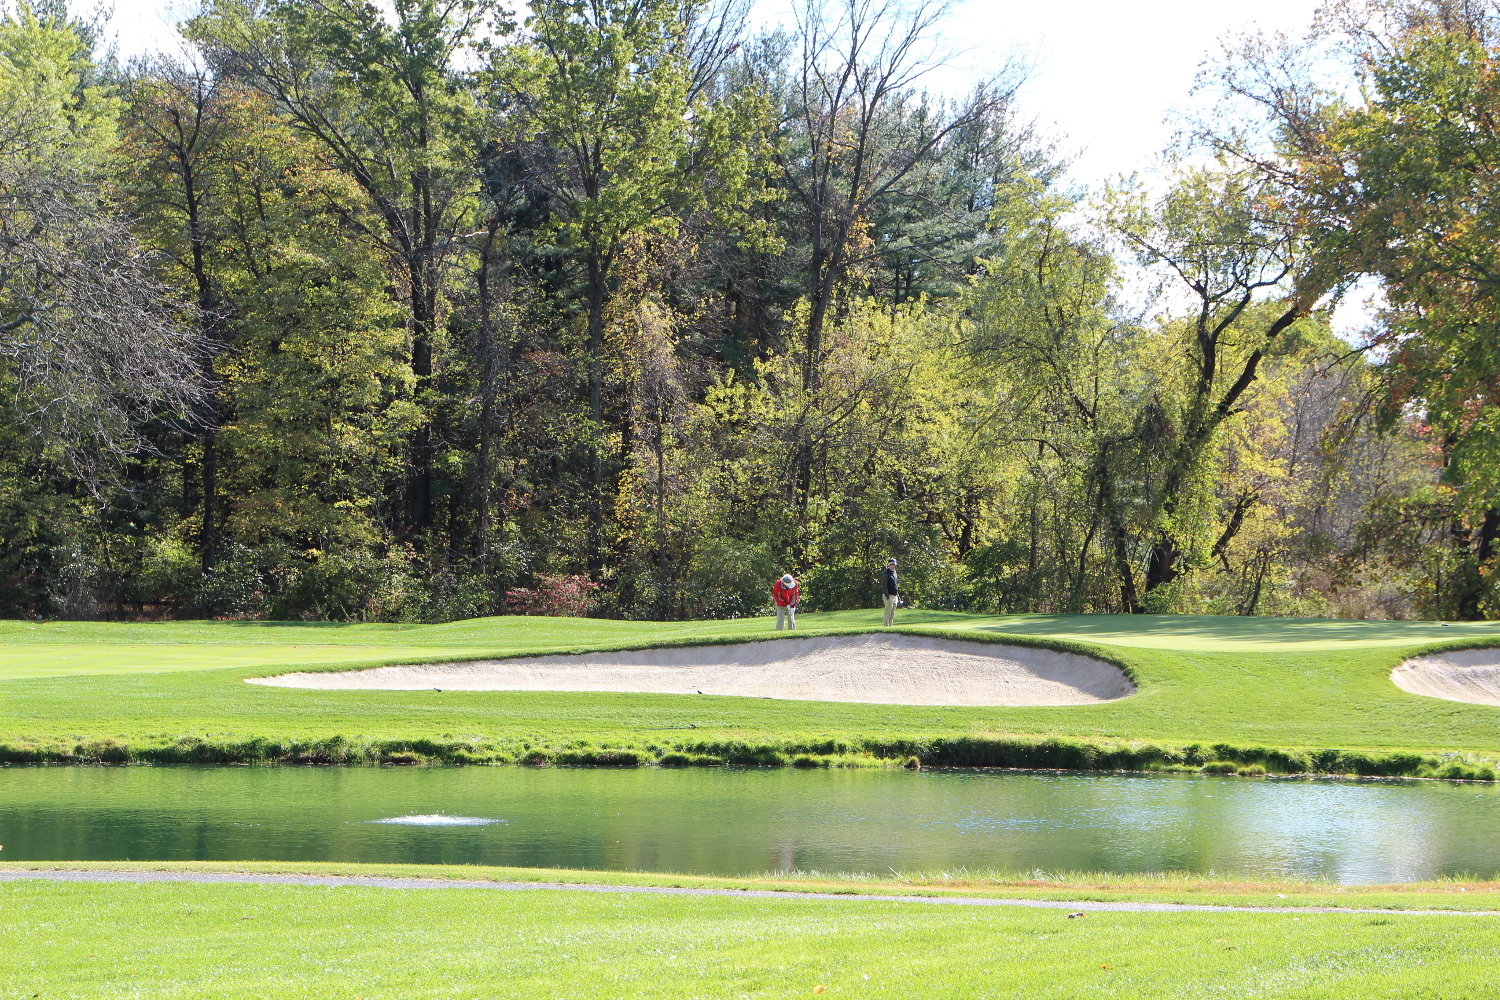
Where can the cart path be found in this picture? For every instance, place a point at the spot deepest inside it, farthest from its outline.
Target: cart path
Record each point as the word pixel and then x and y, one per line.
pixel 337 881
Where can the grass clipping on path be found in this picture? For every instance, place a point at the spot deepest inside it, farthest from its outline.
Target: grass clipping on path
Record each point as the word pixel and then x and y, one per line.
pixel 1458 894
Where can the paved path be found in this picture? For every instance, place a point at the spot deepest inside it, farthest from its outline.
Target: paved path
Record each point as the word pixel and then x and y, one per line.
pixel 253 878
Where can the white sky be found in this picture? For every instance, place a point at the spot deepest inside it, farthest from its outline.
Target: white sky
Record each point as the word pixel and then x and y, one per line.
pixel 1111 74
pixel 1107 73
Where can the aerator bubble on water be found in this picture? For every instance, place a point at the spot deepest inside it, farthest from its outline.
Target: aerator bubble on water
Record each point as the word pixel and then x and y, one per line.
pixel 438 819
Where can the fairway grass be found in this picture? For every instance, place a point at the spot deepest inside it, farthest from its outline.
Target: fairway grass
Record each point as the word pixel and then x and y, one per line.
pixel 183 940
pixel 1290 694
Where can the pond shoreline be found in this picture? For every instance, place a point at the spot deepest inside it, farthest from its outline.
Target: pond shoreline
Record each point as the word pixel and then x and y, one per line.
pixel 1296 777
pixel 1009 753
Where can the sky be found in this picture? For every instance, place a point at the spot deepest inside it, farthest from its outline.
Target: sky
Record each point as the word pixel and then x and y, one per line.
pixel 1107 74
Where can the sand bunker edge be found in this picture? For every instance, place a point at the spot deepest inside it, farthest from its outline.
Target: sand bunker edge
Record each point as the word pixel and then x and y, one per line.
pixel 1470 676
pixel 865 668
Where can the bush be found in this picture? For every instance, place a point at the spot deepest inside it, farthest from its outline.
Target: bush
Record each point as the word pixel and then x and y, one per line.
pixel 729 579
pixel 233 585
pixel 553 596
pixel 168 573
pixel 1222 767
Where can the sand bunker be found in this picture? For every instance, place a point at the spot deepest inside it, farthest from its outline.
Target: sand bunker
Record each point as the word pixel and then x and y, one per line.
pixel 884 669
pixel 1471 675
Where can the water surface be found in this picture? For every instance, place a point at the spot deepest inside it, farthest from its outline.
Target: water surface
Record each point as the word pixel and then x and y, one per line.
pixel 728 821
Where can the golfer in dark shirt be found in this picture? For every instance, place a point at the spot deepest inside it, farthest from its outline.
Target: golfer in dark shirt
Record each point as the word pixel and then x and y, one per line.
pixel 892 589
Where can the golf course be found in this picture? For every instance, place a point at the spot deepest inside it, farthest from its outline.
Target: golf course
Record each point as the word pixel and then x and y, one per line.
pixel 1255 696
pixel 731 500
pixel 1287 695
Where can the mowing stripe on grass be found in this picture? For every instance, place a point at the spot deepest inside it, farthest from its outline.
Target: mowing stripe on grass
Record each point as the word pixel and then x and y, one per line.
pixel 249 878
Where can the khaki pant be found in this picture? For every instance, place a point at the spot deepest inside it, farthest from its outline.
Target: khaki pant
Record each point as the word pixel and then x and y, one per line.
pixel 891 602
pixel 787 614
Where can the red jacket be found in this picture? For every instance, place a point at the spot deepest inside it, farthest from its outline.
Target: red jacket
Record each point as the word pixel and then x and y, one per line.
pixel 786 596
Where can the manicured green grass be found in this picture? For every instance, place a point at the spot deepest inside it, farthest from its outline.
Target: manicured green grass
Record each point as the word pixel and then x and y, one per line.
pixel 1157 887
pixel 229 941
pixel 1246 682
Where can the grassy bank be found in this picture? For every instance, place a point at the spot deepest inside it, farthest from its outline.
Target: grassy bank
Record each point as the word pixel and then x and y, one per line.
pixel 1457 894
pixel 1285 696
pixel 186 940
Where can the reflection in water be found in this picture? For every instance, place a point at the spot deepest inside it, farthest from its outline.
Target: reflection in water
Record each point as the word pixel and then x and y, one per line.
pixel 730 821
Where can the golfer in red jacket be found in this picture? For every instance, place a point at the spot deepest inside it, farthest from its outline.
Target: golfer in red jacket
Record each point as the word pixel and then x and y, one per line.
pixel 786 593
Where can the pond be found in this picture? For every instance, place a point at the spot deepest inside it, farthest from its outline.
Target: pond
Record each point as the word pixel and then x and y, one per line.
pixel 727 821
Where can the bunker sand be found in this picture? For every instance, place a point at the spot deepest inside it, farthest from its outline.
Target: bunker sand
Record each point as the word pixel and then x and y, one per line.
pixel 883 669
pixel 1468 675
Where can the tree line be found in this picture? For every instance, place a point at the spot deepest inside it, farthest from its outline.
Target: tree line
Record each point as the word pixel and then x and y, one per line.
pixel 421 312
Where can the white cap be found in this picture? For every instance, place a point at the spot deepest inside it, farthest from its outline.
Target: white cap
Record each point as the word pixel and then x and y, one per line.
pixel 891 561
pixel 787 581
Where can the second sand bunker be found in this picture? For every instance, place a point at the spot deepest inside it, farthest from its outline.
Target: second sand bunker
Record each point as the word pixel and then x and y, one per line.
pixel 1468 675
pixel 885 669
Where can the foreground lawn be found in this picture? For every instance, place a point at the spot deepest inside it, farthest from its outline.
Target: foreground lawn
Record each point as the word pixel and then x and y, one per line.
pixel 1247 682
pixel 230 941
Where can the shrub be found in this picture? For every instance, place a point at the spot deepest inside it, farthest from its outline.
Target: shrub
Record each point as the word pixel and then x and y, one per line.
pixel 729 579
pixel 1222 767
pixel 233 585
pixel 554 596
